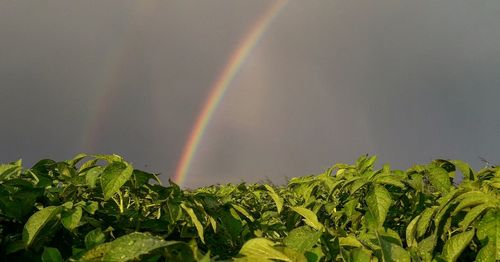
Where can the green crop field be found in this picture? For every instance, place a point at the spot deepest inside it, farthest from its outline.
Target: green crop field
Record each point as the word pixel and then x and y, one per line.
pixel 99 208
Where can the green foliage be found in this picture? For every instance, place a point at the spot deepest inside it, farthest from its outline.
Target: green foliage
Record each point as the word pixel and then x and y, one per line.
pixel 261 249
pixel 125 248
pixel 99 208
pixel 51 254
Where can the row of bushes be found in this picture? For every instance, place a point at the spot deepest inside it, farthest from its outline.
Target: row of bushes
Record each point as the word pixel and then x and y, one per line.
pixel 99 208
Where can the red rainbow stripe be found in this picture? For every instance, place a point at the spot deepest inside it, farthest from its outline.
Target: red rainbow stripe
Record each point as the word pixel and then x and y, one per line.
pixel 222 84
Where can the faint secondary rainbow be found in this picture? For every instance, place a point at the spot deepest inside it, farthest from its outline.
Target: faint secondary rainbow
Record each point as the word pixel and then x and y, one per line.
pixel 112 71
pixel 221 85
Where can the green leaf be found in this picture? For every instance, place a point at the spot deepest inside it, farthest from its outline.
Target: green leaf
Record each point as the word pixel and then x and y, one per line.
pixel 390 235
pixel 92 175
pixel 456 244
pixel 94 238
pixel 132 246
pixel 179 251
pixel 302 239
pixel 14 247
pixel 109 158
pixel 358 183
pixel 114 176
pixel 91 207
pixel 125 248
pixel 350 206
pixel 315 255
pixel 11 169
pixel 469 199
pixel 360 254
pixel 440 179
pixel 465 169
pixel 309 217
pixel 292 254
pixel 425 220
pixel 350 240
pixel 391 251
pixel 416 182
pixel 487 254
pixel 76 159
pixel 71 219
pixel 198 255
pixel 472 215
pixel 96 253
pixel 87 165
pixel 445 205
pixel 365 163
pixel 143 178
pixel 410 232
pixel 243 211
pixel 19 204
pixel 277 199
pixel 392 180
pixel 378 202
pixel 173 211
pixel 488 233
pixel 425 247
pixel 37 221
pixel 196 222
pixel 213 223
pixel 261 249
pixel 51 254
pixel 65 171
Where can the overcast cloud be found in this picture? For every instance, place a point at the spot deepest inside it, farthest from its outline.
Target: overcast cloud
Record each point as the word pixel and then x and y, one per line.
pixel 408 81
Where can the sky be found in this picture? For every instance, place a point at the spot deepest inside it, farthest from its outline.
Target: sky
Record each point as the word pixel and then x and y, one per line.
pixel 327 81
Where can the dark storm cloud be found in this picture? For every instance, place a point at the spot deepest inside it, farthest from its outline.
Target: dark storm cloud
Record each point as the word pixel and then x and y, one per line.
pixel 407 81
pixel 330 80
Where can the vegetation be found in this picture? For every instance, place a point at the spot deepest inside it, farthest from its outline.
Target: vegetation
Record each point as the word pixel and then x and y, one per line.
pixel 98 208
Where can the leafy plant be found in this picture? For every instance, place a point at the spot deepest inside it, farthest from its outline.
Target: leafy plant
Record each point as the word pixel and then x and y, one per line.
pixel 99 208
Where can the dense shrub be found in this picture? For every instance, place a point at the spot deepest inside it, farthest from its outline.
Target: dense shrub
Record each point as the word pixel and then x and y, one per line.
pixel 98 208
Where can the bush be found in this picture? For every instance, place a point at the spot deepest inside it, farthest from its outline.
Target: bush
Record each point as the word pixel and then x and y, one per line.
pixel 99 208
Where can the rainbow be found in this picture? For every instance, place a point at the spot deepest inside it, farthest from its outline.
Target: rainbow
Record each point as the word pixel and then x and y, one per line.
pixel 113 68
pixel 222 84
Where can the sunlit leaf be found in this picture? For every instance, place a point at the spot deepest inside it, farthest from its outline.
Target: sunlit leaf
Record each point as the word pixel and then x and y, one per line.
pixel 470 199
pixel 488 233
pixel 472 215
pixel 426 247
pixel 261 249
pixel 302 238
pixel 132 246
pixel 378 202
pixel 309 217
pixel 94 238
pixel 70 219
pixel 360 254
pixel 425 220
pixel 411 230
pixel 114 176
pixel 243 211
pixel 392 180
pixel 440 179
pixel 196 222
pixel 456 244
pixel 37 221
pixel 466 170
pixel 351 241
pixel 278 201
pixel 11 169
pixel 391 251
pixel 125 248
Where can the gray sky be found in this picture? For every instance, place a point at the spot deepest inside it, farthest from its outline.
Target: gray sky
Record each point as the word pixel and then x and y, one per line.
pixel 408 81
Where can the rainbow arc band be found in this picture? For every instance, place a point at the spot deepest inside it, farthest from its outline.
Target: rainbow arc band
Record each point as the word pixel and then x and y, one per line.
pixel 221 85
